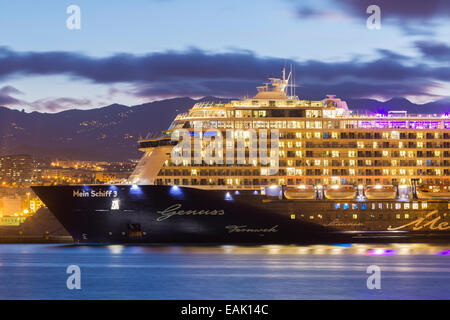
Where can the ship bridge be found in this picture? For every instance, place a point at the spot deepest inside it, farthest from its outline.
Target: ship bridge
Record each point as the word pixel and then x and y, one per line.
pixel 274 89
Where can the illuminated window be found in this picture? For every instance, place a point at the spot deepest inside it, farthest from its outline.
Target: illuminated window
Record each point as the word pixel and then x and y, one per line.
pixel 338 206
pixel 115 204
pixel 424 205
pixel 415 206
pixel 346 206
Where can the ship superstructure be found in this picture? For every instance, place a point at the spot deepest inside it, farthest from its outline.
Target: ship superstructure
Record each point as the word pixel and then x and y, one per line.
pixel 320 143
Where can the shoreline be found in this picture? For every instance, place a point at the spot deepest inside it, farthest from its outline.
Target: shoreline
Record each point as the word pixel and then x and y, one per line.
pixel 35 239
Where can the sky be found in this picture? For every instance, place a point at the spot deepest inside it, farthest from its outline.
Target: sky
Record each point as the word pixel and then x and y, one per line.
pixel 136 51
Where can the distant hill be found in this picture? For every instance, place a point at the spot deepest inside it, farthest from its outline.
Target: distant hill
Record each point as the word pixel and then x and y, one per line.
pixel 106 133
pixel 111 132
pixel 398 103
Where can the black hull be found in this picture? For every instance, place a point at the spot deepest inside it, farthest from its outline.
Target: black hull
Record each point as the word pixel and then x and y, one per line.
pixel 167 214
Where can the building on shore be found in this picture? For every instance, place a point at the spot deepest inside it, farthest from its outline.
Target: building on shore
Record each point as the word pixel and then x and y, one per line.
pixel 16 169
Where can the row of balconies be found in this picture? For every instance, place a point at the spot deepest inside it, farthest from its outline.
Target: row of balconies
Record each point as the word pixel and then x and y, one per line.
pixel 307 172
pixel 290 181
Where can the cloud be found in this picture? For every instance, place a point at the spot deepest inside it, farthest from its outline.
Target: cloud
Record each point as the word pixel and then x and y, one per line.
pixel 392 55
pixel 413 17
pixel 410 9
pixel 434 50
pixel 197 73
pixel 6 98
pixel 59 104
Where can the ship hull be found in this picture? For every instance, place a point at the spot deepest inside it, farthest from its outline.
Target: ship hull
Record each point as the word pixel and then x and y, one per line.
pixel 169 214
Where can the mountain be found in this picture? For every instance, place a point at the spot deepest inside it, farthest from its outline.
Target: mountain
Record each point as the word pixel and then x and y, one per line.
pixel 107 133
pixel 111 132
pixel 398 103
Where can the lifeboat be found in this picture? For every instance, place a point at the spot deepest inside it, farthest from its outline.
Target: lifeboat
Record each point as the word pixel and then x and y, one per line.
pixel 340 192
pixel 433 191
pixel 300 192
pixel 380 192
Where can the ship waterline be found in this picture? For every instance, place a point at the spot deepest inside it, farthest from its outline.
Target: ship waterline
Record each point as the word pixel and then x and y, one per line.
pixel 273 169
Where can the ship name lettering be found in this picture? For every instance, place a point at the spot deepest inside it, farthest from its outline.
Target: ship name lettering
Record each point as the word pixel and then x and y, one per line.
pixel 420 223
pixel 95 194
pixel 235 228
pixel 173 210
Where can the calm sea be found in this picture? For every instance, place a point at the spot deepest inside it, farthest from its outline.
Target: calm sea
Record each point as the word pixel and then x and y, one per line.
pixel 413 271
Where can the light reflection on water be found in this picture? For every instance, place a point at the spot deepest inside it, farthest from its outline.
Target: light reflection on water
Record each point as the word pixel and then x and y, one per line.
pixel 409 271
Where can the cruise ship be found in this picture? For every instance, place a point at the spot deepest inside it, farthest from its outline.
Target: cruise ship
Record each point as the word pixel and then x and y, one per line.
pixel 273 169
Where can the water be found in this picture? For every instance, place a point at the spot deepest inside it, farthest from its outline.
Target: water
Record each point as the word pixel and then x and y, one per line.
pixel 411 271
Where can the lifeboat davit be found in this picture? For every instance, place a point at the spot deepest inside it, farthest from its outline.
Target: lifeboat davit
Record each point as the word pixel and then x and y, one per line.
pixel 433 191
pixel 380 192
pixel 340 192
pixel 301 192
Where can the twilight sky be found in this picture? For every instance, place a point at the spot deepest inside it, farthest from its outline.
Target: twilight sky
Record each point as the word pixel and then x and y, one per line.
pixel 131 52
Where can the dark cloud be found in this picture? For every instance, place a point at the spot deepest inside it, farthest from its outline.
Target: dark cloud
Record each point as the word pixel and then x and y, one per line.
pixel 392 55
pixel 434 50
pixel 197 73
pixel 404 9
pixel 411 9
pixel 307 12
pixel 413 17
pixel 6 98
